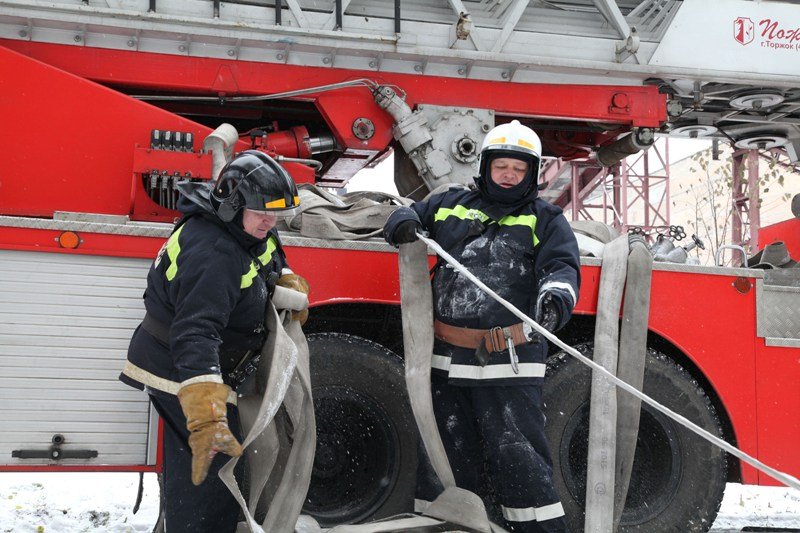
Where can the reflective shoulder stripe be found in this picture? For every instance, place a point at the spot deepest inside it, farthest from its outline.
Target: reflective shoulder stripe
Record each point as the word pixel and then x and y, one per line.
pixel 173 249
pixel 461 212
pixel 465 213
pixel 247 279
pixel 522 220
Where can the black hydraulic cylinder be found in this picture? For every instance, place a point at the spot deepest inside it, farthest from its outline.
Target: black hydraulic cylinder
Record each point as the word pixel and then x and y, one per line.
pixel 618 150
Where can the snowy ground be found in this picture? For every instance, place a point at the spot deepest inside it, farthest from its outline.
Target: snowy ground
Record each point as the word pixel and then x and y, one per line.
pixel 76 503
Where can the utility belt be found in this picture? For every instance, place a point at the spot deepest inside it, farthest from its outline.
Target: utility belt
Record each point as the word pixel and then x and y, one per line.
pixel 156 328
pixel 486 342
pixel 246 365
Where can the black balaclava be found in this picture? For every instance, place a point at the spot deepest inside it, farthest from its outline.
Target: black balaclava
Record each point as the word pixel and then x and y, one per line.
pixel 508 200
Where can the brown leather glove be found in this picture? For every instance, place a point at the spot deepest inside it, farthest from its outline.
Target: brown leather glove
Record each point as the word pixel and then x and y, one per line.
pixel 206 418
pixel 297 283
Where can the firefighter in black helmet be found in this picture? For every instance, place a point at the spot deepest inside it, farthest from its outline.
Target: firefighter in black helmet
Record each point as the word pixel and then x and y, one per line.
pixel 206 298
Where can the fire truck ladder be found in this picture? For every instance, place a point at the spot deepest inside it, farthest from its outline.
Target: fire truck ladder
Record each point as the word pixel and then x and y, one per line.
pixel 724 66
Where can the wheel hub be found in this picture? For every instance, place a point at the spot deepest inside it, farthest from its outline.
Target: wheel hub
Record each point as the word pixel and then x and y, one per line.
pixel 656 467
pixel 356 461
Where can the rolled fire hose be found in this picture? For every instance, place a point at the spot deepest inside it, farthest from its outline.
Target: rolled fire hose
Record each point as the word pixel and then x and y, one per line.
pixel 600 470
pixel 614 418
pixel 786 479
pixel 418 345
pixel 351 216
pixel 454 506
pixel 278 478
pixel 630 367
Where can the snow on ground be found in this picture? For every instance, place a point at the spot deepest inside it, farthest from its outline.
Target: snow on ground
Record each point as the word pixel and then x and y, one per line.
pixel 764 507
pixel 102 502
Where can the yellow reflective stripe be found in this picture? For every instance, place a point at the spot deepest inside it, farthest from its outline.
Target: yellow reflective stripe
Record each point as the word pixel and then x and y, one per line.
pixel 281 202
pixel 267 255
pixel 522 220
pixel 264 258
pixel 524 143
pixel 461 212
pixel 173 249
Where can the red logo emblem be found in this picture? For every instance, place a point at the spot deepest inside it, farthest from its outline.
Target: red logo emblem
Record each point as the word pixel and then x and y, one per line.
pixel 743 30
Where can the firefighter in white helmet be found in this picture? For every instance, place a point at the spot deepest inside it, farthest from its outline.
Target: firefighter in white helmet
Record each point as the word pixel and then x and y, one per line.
pixel 487 374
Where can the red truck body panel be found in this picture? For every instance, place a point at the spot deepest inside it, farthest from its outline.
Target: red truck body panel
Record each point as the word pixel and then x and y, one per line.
pixel 93 144
pixel 703 315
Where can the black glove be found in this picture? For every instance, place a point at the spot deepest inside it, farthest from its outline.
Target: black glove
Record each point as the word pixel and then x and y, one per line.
pixel 406 232
pixel 547 314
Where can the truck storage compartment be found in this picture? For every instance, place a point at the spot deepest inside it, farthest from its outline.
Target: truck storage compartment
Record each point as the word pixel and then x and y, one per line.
pixel 778 307
pixel 65 323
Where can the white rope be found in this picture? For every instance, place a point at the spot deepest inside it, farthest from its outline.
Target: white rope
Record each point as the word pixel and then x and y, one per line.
pixel 784 478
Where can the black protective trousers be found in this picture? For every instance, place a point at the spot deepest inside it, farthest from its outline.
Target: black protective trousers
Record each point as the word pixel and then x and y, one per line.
pixel 209 507
pixel 504 427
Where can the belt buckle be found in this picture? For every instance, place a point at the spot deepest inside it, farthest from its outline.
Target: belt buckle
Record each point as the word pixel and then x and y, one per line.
pixel 496 336
pixel 246 366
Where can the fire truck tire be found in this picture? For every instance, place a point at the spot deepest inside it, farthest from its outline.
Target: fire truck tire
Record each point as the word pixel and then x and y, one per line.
pixel 366 459
pixel 678 478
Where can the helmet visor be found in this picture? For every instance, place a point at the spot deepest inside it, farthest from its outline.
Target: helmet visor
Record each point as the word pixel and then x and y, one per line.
pixel 283 214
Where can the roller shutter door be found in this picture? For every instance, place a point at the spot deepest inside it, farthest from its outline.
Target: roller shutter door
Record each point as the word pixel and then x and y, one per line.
pixel 65 324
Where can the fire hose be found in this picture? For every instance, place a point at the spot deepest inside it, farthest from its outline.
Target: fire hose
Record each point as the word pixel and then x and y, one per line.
pixel 784 478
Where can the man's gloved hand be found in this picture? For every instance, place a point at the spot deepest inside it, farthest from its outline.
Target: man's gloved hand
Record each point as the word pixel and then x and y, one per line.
pixel 406 232
pixel 299 284
pixel 547 314
pixel 207 421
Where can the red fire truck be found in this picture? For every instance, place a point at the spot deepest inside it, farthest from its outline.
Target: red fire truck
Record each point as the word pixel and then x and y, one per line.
pixel 105 106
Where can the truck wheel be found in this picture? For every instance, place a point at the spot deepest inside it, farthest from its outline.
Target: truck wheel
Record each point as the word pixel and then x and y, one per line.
pixel 678 478
pixel 366 459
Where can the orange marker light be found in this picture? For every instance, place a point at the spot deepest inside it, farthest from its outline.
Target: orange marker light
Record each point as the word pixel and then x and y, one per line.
pixel 69 239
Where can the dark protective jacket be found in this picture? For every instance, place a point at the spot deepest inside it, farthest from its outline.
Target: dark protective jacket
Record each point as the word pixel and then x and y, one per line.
pixel 518 254
pixel 205 287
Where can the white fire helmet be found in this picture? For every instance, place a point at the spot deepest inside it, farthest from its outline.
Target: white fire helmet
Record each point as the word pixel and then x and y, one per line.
pixel 513 137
